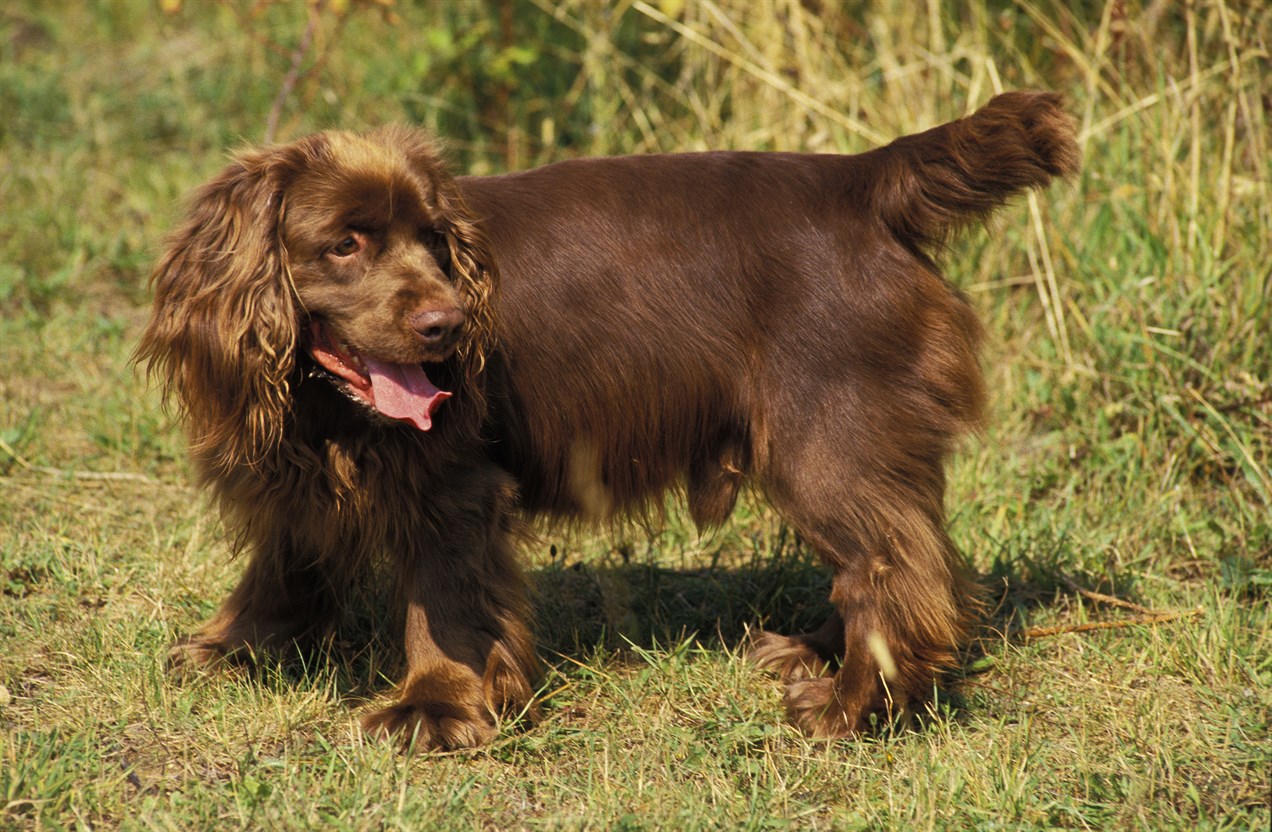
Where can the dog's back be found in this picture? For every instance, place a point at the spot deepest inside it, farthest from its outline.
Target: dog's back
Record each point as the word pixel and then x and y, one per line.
pixel 661 315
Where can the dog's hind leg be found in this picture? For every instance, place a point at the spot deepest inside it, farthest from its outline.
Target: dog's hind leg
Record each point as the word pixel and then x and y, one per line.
pixel 871 507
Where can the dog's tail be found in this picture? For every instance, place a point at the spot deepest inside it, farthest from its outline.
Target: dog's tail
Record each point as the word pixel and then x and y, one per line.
pixel 932 183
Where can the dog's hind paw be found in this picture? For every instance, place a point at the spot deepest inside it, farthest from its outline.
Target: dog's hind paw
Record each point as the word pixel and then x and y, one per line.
pixel 431 726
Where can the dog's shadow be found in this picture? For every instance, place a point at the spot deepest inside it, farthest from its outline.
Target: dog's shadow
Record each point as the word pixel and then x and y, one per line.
pixel 616 603
pixel 583 606
pixel 611 602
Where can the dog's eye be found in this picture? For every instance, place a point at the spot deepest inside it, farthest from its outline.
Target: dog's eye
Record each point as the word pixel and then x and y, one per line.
pixel 438 246
pixel 347 247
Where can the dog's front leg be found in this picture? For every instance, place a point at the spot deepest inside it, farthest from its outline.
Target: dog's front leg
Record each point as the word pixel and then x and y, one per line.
pixel 284 601
pixel 469 654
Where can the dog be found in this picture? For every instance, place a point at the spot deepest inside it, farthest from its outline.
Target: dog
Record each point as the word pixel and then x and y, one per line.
pixel 379 363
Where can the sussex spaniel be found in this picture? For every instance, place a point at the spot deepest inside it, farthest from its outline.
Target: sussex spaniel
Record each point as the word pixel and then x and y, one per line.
pixel 379 362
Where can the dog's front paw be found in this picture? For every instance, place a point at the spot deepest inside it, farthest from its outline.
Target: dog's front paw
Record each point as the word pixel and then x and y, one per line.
pixel 432 726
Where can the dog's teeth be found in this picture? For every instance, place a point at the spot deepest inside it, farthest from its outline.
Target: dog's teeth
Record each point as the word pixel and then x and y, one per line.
pixel 354 358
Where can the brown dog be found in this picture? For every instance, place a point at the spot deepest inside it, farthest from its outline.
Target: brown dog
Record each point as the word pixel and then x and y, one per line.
pixel 376 360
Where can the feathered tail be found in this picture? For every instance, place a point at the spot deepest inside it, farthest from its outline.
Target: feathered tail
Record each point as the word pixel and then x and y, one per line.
pixel 932 183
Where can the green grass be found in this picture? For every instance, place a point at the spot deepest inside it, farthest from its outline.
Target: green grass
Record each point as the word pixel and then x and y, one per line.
pixel 1128 454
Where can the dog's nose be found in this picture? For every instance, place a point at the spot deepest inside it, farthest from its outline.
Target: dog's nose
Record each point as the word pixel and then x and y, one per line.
pixel 437 327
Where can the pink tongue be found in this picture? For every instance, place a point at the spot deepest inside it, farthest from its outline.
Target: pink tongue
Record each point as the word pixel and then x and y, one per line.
pixel 402 391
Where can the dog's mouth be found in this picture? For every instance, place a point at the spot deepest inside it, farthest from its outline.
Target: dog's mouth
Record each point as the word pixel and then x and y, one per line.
pixel 397 391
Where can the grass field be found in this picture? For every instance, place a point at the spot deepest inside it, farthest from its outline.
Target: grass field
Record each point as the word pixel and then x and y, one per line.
pixel 1124 479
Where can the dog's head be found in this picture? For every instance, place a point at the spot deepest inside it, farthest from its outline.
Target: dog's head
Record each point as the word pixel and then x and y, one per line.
pixel 350 258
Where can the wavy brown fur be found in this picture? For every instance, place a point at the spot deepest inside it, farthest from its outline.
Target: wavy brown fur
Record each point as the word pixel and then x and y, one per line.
pixel 631 325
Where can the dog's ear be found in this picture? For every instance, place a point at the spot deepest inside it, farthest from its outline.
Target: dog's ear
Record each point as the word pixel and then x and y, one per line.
pixel 222 335
pixel 471 259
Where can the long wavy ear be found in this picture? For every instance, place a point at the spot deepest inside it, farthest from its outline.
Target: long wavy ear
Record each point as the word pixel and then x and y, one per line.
pixel 472 264
pixel 222 336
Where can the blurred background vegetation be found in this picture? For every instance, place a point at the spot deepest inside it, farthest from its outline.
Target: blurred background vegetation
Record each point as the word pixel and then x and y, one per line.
pixel 1127 459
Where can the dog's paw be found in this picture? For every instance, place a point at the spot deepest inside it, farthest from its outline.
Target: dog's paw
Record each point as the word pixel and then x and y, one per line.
pixel 839 706
pixel 193 656
pixel 791 658
pixel 816 708
pixel 432 726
